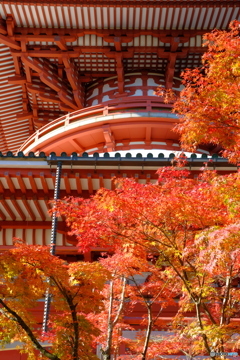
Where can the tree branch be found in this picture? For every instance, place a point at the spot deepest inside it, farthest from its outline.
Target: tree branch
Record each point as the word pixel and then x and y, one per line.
pixel 29 332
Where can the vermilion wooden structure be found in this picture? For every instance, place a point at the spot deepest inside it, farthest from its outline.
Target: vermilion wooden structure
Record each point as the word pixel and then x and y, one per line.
pixel 62 56
pixel 80 75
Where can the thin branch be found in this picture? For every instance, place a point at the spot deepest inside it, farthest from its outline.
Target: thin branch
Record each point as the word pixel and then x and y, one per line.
pixel 18 319
pixel 121 302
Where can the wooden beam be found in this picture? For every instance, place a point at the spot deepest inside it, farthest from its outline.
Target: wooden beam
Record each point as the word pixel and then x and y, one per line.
pixel 26 225
pixel 67 183
pixel 17 80
pixel 38 207
pixel 9 42
pixel 148 178
pixel 41 195
pixel 77 147
pixel 18 209
pixel 49 53
pixel 32 183
pixel 49 76
pixel 44 183
pixel 119 56
pixel 2 216
pixel 28 208
pixel 107 34
pixel 120 73
pixel 7 208
pixel 40 123
pixel 118 40
pixel 74 80
pixel 173 39
pixel 44 243
pixel 46 38
pixel 136 178
pixel 109 138
pixel 106 51
pixel 45 94
pixel 24 115
pixel 101 182
pixel 1 187
pixel 90 184
pixel 60 41
pixel 113 182
pixel 78 183
pixel 9 182
pixel 10 23
pixel 170 69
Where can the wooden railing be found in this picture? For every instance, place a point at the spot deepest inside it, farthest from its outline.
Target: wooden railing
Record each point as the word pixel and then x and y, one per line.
pixel 133 104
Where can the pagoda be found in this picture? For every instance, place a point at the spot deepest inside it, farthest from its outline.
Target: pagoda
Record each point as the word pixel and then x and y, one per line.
pixel 77 78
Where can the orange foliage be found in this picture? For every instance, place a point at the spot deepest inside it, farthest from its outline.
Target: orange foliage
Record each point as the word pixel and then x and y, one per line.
pixel 192 226
pixel 209 105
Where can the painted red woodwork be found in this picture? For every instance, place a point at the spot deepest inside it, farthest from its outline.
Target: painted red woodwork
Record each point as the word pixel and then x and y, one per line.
pixel 54 60
pixel 12 355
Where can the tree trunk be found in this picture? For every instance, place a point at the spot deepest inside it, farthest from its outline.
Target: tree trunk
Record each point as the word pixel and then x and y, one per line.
pixel 106 353
pixel 148 333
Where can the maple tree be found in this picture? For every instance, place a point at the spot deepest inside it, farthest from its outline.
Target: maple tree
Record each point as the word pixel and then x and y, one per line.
pixel 26 272
pixel 192 226
pixel 122 294
pixel 188 227
pixel 209 105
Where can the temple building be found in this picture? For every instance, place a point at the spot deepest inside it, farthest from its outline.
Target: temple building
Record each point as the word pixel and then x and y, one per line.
pixel 77 79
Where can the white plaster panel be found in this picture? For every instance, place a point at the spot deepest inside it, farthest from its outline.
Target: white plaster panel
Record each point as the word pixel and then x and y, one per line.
pixel 106 98
pixel 107 88
pixel 138 93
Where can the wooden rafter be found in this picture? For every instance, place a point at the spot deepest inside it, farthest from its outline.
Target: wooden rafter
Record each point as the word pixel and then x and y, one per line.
pixel 78 148
pixel 49 76
pixel 9 182
pixel 44 183
pixel 7 208
pixel 32 183
pixel 21 182
pixel 28 208
pixel 38 207
pixel 2 216
pixel 18 209
pixel 74 80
